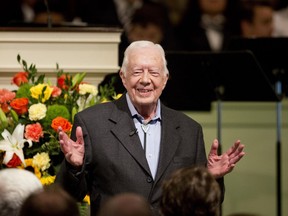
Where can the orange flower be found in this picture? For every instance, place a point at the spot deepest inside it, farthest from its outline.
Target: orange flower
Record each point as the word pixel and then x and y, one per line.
pixel 20 78
pixel 33 132
pixel 20 105
pixel 61 122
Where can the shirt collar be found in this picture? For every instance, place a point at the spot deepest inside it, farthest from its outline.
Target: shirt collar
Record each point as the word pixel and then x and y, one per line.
pixel 134 112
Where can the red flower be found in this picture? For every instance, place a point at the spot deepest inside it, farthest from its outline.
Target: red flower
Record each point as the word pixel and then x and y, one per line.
pixel 61 122
pixel 20 105
pixel 62 81
pixel 20 78
pixel 14 162
pixel 33 132
pixel 4 107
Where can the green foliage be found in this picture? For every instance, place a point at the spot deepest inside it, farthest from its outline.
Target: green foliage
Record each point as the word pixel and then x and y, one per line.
pixel 54 111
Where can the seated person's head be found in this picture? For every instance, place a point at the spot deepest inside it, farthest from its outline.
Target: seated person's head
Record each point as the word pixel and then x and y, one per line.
pixel 126 204
pixel 148 23
pixel 190 191
pixel 256 18
pixel 56 13
pixel 15 186
pixel 53 201
pixel 212 7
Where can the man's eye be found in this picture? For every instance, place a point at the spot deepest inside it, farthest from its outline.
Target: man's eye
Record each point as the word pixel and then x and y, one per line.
pixel 136 73
pixel 154 73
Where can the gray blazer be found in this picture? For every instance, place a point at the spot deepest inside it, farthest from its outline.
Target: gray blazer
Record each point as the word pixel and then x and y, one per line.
pixel 115 160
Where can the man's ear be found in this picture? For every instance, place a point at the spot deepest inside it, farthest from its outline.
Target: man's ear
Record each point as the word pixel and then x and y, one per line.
pixel 122 75
pixel 167 78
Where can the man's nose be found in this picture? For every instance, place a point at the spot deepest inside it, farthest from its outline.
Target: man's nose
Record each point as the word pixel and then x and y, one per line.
pixel 145 77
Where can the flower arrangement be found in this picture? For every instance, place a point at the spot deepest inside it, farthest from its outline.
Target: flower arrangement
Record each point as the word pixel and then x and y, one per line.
pixel 31 115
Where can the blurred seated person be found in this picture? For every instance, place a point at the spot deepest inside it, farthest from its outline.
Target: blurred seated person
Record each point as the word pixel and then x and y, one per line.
pixel 149 22
pixel 97 13
pixel 15 186
pixel 207 25
pixel 34 13
pixel 281 20
pixel 52 201
pixel 16 12
pixel 53 12
pixel 190 191
pixel 256 18
pixel 126 204
pixel 175 9
pixel 125 10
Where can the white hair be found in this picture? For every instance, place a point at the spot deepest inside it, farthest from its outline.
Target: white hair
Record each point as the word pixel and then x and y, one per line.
pixel 143 44
pixel 15 186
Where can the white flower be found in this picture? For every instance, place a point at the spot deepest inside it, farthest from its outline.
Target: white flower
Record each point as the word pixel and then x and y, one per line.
pixel 41 161
pixel 87 89
pixel 37 111
pixel 14 144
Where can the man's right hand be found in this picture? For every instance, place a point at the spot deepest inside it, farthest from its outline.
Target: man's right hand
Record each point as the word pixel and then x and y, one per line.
pixel 73 151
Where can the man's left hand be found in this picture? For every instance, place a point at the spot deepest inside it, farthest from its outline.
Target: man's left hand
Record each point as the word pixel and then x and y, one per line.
pixel 220 165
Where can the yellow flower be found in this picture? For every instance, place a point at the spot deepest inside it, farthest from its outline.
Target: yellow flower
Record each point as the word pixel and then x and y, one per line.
pixel 37 92
pixel 87 199
pixel 117 96
pixel 87 89
pixel 41 161
pixel 37 111
pixel 47 180
pixel 105 100
pixel 29 163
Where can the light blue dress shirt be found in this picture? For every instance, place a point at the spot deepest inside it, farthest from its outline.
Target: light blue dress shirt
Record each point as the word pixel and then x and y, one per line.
pixel 153 135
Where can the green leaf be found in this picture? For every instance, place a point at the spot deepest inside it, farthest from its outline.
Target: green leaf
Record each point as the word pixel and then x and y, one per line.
pixel 14 116
pixel 18 58
pixel 3 119
pixel 77 79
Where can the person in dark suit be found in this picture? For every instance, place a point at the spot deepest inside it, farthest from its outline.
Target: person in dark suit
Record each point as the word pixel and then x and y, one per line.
pixel 208 25
pixel 256 18
pixel 134 143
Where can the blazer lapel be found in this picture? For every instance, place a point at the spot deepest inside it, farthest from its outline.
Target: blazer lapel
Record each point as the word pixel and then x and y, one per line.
pixel 124 132
pixel 170 140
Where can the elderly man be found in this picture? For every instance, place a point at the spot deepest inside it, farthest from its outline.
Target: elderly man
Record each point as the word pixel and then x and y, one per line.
pixel 134 143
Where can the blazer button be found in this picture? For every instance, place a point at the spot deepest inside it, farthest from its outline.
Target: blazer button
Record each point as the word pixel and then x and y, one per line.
pixel 149 179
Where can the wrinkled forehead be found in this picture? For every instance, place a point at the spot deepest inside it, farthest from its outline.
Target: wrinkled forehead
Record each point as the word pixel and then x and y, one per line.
pixel 149 56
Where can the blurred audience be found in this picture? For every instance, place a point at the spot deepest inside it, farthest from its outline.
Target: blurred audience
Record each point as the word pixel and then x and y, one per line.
pixel 256 18
pixel 149 22
pixel 36 12
pixel 125 10
pixel 126 204
pixel 281 20
pixel 175 9
pixel 208 25
pixel 97 13
pixel 15 186
pixel 52 201
pixel 190 191
pixel 15 11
